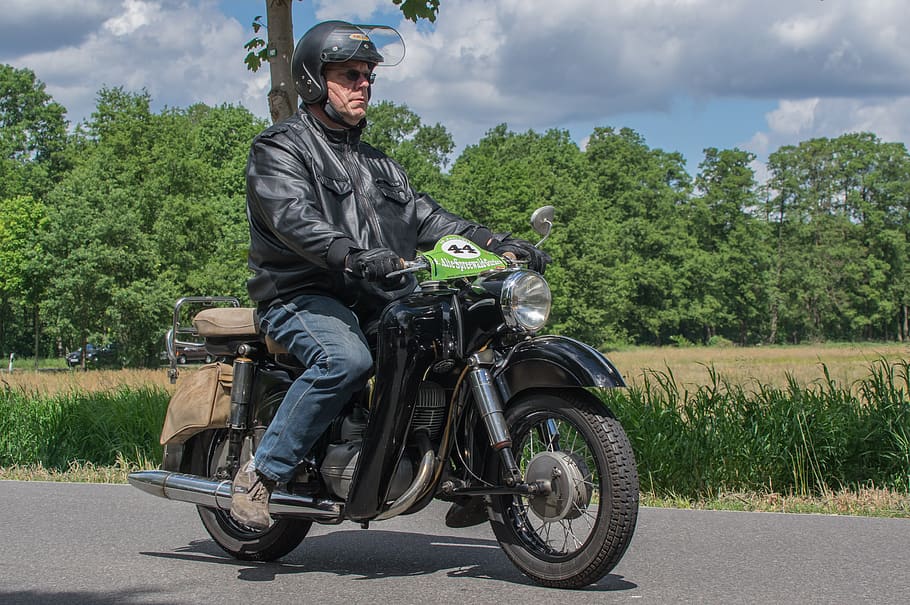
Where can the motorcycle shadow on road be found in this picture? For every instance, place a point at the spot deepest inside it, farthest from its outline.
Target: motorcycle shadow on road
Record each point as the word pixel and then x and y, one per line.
pixel 377 554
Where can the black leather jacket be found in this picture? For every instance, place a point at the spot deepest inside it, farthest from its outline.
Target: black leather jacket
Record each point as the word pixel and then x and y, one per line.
pixel 313 194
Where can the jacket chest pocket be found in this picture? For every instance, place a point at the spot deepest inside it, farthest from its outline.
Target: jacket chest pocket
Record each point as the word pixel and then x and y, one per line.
pixel 393 190
pixel 341 187
pixel 395 208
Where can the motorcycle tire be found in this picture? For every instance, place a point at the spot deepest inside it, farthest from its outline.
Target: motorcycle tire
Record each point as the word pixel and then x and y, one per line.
pixel 575 535
pixel 283 536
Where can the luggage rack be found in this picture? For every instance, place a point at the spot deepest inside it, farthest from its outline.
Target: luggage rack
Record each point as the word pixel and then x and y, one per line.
pixel 172 339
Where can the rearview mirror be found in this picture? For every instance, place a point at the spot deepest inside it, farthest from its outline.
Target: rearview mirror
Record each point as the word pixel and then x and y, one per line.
pixel 542 221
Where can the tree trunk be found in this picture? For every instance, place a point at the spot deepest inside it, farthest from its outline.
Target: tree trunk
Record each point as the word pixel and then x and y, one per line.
pixel 282 96
pixel 2 326
pixel 37 341
pixel 904 332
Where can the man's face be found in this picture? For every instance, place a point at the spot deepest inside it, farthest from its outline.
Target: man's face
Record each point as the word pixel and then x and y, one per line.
pixel 348 86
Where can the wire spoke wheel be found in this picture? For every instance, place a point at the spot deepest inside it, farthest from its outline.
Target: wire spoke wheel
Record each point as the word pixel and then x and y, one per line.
pixel 576 533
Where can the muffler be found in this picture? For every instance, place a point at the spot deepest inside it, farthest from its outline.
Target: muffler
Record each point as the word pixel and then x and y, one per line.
pixel 217 494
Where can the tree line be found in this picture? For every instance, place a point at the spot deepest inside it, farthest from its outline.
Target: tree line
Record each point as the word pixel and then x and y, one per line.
pixel 104 225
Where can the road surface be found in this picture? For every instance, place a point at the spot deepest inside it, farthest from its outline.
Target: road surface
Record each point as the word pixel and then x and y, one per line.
pixel 111 544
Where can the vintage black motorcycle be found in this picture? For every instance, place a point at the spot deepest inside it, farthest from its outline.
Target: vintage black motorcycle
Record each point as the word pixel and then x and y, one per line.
pixel 467 401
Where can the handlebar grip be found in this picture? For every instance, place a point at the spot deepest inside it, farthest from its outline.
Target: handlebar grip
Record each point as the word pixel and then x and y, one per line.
pixel 410 266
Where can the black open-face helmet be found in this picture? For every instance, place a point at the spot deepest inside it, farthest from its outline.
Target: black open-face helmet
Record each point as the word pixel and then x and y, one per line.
pixel 337 42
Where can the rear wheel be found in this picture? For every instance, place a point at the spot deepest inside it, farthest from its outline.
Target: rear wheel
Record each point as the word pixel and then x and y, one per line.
pixel 577 533
pixel 281 537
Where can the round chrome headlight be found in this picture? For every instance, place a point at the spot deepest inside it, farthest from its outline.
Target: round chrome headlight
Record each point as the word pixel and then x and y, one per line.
pixel 525 300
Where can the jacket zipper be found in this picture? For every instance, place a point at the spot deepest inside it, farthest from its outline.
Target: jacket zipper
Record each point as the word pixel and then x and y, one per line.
pixel 360 195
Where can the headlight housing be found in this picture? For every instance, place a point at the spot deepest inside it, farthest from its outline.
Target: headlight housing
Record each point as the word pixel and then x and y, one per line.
pixel 525 300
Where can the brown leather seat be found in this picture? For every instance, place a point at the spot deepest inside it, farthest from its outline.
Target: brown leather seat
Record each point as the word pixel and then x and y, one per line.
pixel 232 323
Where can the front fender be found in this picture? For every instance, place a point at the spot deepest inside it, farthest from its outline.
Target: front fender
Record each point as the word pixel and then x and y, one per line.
pixel 555 361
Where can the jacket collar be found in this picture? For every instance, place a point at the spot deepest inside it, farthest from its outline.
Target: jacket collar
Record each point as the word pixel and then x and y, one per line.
pixel 350 136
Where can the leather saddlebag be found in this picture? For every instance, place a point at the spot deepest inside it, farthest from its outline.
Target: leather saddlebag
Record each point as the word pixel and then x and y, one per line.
pixel 202 401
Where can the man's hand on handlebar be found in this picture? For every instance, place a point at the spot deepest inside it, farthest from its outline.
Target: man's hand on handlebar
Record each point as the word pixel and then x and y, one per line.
pixel 521 250
pixel 374 265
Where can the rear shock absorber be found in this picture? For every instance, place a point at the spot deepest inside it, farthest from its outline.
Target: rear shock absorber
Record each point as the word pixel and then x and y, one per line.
pixel 241 389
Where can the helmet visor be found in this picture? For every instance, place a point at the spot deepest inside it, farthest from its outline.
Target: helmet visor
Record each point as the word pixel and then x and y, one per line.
pixel 369 43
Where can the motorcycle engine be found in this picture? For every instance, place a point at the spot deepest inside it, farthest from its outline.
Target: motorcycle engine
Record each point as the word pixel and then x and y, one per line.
pixel 430 411
pixel 340 461
pixel 341 458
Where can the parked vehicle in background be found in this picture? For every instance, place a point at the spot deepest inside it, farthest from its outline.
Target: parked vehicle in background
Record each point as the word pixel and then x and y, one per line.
pixel 107 355
pixel 188 353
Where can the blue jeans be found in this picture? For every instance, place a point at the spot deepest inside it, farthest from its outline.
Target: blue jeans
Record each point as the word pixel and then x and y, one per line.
pixel 324 335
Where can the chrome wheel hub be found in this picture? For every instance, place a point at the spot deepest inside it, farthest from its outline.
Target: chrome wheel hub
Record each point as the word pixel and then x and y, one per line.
pixel 570 493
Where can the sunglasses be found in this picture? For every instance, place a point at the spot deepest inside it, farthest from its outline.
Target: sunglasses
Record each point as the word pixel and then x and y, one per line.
pixel 353 76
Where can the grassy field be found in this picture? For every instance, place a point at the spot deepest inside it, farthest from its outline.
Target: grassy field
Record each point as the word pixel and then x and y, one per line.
pixel 799 429
pixel 63 381
pixel 749 367
pixel 755 366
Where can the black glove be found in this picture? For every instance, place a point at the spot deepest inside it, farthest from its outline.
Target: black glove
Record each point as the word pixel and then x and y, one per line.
pixel 373 265
pixel 523 250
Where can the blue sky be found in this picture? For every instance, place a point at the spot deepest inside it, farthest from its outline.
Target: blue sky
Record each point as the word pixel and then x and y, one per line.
pixel 686 74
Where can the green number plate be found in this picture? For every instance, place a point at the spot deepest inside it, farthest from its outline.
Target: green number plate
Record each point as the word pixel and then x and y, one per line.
pixel 455 256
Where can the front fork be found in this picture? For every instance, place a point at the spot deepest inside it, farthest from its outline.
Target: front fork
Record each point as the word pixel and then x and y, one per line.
pixel 490 407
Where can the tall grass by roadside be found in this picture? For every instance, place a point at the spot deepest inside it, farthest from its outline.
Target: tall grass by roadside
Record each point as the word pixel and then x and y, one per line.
pixel 101 428
pixel 802 439
pixel 720 438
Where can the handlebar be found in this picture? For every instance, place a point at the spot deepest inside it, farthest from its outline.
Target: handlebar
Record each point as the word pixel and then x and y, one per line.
pixel 411 266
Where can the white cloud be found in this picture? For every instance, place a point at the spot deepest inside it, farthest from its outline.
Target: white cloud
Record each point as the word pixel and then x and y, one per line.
pixel 138 13
pixel 180 52
pixel 538 64
pixel 348 10
pixel 802 32
pixel 793 117
pixel 31 25
pixel 831 66
pixel 796 121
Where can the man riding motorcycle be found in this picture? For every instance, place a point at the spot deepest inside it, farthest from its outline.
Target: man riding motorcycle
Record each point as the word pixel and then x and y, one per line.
pixel 330 217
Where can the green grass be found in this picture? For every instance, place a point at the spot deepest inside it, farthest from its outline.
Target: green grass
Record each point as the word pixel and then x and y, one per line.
pixel 99 428
pixel 803 440
pixel 28 363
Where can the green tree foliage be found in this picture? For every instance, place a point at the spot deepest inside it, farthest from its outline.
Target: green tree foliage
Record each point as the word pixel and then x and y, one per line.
pixel 730 267
pixel 32 134
pixel 151 210
pixel 102 229
pixel 643 193
pixel 32 141
pixel 839 211
pixel 21 217
pixel 421 150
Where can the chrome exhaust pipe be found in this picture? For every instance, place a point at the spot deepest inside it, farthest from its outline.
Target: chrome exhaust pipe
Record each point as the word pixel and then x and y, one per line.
pixel 419 486
pixel 217 494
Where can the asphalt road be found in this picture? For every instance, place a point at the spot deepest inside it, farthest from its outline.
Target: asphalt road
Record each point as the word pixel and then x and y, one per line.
pixel 111 544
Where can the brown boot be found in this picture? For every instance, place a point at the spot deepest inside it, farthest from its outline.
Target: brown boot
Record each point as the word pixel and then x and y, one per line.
pixel 250 493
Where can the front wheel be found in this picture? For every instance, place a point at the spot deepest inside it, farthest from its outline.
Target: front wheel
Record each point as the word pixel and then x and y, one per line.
pixel 577 533
pixel 281 537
